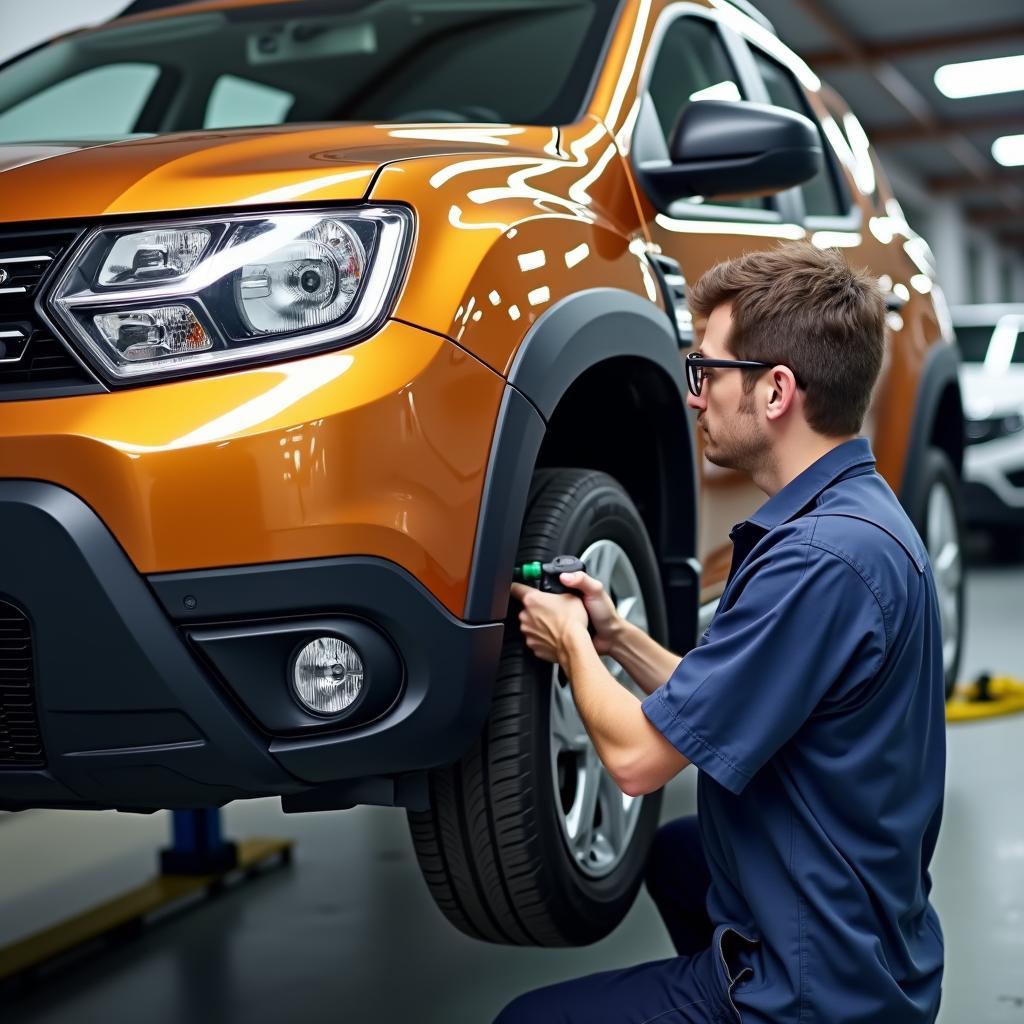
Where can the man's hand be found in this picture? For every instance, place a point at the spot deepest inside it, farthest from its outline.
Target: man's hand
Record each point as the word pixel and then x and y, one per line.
pixel 548 621
pixel 600 609
pixel 545 622
pixel 554 627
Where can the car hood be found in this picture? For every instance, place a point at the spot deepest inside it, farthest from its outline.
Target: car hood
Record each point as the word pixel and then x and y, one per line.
pixel 987 394
pixel 237 167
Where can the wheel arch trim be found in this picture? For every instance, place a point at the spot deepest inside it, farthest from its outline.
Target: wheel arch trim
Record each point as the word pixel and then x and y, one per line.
pixel 574 336
pixel 939 376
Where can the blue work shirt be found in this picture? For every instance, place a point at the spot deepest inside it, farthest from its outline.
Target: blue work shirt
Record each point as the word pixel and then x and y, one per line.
pixel 814 708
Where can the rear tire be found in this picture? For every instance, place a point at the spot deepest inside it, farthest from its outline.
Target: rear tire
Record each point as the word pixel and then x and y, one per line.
pixel 1007 544
pixel 494 847
pixel 938 515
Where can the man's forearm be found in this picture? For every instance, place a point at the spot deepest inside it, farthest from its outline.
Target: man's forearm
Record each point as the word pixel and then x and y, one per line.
pixel 648 664
pixel 636 755
pixel 610 713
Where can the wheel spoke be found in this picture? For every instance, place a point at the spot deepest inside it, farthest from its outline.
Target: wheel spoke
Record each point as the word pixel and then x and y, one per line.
pixel 632 610
pixel 944 551
pixel 947 561
pixel 618 673
pixel 566 725
pixel 586 805
pixel 935 525
pixel 613 819
pixel 599 565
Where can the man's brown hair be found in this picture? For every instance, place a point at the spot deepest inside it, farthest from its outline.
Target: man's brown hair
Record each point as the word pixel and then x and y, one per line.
pixel 806 308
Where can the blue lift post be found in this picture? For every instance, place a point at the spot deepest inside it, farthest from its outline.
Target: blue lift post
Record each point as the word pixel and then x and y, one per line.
pixel 199 861
pixel 199 847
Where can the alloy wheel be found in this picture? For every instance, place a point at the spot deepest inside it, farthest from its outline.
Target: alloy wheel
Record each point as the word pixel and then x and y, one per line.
pixel 947 564
pixel 596 817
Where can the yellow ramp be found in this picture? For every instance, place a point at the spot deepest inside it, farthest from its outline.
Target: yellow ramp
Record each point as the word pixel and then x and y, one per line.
pixel 986 697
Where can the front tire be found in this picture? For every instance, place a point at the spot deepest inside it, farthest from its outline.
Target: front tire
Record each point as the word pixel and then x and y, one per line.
pixel 528 840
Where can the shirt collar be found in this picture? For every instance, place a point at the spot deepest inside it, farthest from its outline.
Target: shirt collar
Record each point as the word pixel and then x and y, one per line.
pixel 803 489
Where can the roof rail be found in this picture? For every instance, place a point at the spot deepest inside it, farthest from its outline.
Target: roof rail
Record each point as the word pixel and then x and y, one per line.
pixel 142 6
pixel 752 12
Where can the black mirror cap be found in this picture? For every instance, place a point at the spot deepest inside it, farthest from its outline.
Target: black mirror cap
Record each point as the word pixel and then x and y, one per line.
pixel 727 148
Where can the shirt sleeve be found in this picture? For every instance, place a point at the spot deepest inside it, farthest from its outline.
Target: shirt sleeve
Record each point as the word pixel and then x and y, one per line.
pixel 805 625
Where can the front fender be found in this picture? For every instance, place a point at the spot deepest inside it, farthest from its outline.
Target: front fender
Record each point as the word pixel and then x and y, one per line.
pixel 576 335
pixel 503 237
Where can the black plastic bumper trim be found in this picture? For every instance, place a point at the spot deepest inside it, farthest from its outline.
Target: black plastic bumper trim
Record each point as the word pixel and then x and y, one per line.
pixel 256 662
pixel 132 719
pixel 449 665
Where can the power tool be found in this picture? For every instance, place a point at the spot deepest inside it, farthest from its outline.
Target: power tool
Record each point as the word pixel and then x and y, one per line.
pixel 544 575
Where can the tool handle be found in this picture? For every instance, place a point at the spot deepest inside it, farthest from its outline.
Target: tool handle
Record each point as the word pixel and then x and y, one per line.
pixel 551 584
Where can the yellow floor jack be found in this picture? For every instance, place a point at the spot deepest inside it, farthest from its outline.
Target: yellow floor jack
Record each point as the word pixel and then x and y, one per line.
pixel 987 696
pixel 198 865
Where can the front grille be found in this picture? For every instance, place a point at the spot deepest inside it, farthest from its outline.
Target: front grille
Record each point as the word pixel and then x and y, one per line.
pixel 21 745
pixel 32 362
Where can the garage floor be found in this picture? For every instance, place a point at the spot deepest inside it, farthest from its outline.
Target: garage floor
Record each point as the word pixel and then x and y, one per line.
pixel 349 933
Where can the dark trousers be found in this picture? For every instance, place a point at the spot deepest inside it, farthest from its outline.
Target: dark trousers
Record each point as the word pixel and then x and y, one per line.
pixel 684 989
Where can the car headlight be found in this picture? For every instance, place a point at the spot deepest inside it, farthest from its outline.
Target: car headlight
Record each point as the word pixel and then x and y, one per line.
pixel 992 428
pixel 152 301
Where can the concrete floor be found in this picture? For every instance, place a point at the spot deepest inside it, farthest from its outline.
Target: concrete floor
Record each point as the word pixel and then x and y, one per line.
pixel 349 932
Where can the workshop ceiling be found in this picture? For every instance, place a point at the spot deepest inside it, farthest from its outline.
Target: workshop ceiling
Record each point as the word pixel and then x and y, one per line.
pixel 881 56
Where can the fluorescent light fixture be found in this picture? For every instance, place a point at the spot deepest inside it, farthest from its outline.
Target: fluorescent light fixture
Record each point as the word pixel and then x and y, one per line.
pixel 980 77
pixel 1009 150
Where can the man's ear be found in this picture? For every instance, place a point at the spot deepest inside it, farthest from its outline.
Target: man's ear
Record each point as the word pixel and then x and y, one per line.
pixel 783 392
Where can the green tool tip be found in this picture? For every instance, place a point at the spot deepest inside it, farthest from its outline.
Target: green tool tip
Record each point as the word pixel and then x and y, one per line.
pixel 530 571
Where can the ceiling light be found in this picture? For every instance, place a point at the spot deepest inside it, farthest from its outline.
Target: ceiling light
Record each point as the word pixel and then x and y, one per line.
pixel 1009 150
pixel 980 77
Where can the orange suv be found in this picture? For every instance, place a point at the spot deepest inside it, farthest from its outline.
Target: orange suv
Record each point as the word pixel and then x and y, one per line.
pixel 316 318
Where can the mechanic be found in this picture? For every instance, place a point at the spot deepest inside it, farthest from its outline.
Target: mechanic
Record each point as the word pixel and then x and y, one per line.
pixel 813 705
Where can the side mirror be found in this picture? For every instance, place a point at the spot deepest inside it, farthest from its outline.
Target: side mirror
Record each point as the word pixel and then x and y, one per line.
pixel 726 148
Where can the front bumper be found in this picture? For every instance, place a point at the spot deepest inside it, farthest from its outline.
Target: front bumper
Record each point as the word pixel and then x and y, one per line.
pixel 380 448
pixel 132 716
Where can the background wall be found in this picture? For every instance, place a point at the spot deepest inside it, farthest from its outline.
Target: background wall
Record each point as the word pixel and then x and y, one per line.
pixel 25 24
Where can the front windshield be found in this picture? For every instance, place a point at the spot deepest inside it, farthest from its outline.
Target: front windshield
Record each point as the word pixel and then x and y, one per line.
pixel 998 345
pixel 973 342
pixel 477 61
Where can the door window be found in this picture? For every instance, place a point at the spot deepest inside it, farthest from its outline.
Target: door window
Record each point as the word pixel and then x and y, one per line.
pixel 821 194
pixel 693 65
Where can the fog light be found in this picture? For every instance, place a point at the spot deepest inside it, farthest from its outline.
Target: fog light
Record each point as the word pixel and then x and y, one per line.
pixel 328 675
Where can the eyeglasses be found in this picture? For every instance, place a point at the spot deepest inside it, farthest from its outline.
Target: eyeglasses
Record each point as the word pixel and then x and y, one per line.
pixel 695 365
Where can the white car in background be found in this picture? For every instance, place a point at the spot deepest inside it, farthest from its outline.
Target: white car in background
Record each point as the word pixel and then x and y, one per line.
pixel 991 340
